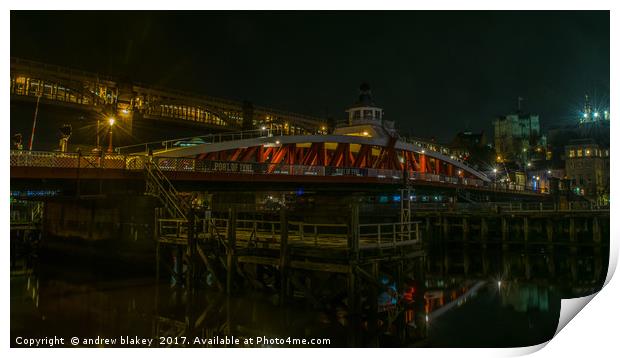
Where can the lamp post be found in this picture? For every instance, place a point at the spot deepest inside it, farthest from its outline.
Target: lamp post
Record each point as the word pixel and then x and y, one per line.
pixel 111 121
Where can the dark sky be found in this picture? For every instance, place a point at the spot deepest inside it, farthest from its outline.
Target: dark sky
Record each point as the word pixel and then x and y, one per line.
pixel 434 73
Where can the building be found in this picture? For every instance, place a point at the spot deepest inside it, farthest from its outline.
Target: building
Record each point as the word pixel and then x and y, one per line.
pixel 587 166
pixel 517 137
pixel 590 123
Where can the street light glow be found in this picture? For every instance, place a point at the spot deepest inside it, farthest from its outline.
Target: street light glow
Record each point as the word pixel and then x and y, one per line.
pixel 595 114
pixel 494 170
pixel 111 121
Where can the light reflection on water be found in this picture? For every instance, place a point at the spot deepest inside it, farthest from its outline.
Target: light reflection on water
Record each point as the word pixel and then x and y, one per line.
pixel 462 297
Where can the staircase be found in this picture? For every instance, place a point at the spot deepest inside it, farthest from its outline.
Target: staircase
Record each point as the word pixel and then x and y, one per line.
pixel 158 185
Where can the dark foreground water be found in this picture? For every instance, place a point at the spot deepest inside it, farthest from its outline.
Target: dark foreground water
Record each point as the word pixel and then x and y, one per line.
pixel 462 297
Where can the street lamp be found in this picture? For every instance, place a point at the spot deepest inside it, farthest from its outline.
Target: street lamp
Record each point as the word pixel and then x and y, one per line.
pixel 111 121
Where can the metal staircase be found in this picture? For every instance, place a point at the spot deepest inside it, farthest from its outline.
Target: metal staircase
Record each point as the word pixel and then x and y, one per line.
pixel 158 185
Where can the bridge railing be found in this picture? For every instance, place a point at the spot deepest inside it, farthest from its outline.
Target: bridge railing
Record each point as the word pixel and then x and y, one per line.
pixel 24 158
pixel 155 146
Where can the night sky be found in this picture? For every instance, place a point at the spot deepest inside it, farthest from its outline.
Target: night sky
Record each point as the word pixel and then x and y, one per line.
pixel 434 73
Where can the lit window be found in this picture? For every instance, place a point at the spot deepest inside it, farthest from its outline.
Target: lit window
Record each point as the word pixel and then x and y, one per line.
pixel 588 152
pixel 579 152
pixel 572 153
pixel 607 153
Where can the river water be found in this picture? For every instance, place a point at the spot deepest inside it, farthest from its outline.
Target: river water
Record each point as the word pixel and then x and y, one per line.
pixel 465 297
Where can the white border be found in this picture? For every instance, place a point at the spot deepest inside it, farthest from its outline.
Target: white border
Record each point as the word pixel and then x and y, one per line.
pixel 591 332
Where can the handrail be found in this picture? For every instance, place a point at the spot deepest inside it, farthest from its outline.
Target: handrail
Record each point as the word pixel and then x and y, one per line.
pixel 24 158
pixel 207 138
pixel 170 195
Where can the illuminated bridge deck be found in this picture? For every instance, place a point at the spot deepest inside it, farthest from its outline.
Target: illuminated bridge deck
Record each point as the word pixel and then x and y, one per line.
pixel 74 166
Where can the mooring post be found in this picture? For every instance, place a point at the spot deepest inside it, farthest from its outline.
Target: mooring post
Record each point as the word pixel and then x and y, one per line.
pixel 230 252
pixel 283 255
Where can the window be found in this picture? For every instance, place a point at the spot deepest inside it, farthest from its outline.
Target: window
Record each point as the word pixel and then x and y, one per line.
pixel 579 152
pixel 571 154
pixel 588 152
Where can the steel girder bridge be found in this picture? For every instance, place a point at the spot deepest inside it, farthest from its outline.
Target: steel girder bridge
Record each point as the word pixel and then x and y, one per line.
pixel 126 101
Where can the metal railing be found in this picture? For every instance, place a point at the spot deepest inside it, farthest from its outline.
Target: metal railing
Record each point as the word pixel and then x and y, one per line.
pixel 24 158
pixel 389 234
pixel 198 140
pixel 508 207
pixel 256 232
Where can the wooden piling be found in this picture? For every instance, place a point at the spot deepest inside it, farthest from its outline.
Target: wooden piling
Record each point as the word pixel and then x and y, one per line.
pixel 504 232
pixel 484 231
pixel 230 249
pixel 596 230
pixel 526 229
pixel 283 255
pixel 465 229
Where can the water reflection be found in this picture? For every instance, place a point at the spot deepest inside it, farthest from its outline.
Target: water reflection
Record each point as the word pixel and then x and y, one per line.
pixel 456 297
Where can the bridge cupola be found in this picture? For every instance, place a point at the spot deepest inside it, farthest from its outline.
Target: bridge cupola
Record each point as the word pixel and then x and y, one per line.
pixel 364 111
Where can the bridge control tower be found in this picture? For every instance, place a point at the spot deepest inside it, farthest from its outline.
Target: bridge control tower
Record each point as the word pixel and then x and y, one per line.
pixel 365 118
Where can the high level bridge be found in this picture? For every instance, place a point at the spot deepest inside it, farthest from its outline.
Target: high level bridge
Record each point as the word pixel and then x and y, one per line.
pixel 82 98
